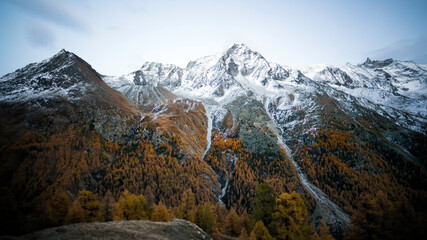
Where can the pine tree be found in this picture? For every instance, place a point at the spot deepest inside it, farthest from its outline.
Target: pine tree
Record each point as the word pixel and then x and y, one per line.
pixel 365 220
pixel 264 202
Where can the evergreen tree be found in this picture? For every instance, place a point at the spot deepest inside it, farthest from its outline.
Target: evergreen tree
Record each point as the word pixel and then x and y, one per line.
pixel 263 204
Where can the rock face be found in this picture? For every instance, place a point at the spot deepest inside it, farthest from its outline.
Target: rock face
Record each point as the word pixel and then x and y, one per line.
pixel 176 230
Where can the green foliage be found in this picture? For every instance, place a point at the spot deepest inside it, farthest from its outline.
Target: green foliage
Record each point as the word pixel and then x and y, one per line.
pixel 205 217
pixel 271 167
pixel 264 202
pixel 131 207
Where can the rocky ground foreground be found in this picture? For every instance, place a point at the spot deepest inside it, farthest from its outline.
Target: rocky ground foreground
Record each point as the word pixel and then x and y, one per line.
pixel 175 229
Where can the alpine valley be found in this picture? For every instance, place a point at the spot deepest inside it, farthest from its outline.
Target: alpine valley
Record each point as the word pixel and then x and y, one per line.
pixel 215 136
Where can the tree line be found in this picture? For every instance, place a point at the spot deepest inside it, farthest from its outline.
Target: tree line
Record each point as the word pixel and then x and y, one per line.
pixel 273 217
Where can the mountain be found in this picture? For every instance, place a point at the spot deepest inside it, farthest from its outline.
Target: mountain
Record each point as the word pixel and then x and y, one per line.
pixel 218 128
pixel 380 103
pixel 64 129
pixel 58 90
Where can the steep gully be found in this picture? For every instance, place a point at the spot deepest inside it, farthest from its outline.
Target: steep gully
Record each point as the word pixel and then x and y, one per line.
pixel 208 109
pixel 328 209
pixel 331 212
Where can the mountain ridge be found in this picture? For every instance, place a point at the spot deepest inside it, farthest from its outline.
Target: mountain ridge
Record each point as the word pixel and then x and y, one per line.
pixel 281 117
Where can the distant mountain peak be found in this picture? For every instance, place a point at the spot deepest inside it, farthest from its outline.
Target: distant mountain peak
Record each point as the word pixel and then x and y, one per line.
pixel 62 51
pixel 239 46
pixel 377 63
pixel 239 49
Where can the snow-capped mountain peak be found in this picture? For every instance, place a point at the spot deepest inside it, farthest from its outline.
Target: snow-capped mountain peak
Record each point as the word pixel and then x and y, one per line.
pixel 377 63
pixel 63 74
pixel 396 89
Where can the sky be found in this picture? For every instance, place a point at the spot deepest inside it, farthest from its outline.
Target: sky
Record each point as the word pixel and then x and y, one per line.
pixel 117 37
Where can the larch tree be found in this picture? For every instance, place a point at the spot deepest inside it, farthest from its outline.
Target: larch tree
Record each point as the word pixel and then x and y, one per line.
pixel 232 223
pixel 131 207
pixel 291 217
pixel 260 232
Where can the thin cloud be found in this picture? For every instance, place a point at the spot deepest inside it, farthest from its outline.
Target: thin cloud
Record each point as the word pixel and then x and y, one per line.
pixel 52 11
pixel 414 49
pixel 39 35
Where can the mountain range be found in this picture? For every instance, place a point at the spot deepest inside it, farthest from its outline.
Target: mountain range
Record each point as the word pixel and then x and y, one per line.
pixel 232 120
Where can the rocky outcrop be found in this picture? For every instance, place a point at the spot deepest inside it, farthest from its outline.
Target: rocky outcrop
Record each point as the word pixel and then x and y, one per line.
pixel 176 229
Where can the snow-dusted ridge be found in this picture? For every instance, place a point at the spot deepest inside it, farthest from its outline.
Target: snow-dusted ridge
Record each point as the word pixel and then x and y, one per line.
pixel 395 89
pixel 46 79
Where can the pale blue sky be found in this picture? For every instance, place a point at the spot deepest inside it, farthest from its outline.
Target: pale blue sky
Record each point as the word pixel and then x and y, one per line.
pixel 117 37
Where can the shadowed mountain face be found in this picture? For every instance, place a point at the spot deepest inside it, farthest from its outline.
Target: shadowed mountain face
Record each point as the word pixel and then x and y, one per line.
pixel 219 127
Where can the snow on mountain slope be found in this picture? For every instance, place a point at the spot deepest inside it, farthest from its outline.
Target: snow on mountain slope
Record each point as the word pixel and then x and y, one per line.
pixel 222 77
pixel 395 89
pixel 48 78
